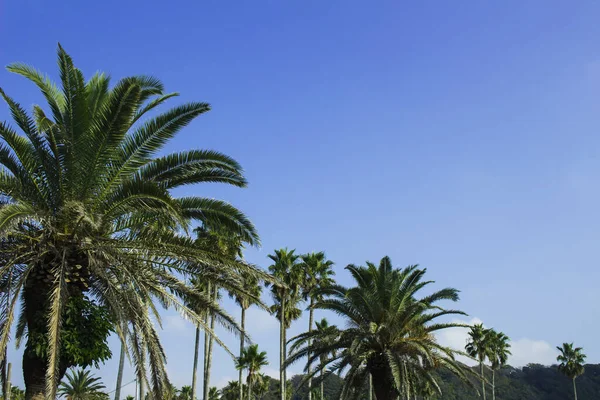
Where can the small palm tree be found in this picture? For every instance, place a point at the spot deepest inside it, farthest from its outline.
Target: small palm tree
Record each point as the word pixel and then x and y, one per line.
pixel 230 391
pixel 478 348
pixel 326 335
pixel 286 298
pixel 318 274
pixel 498 352
pixel 389 335
pixel 185 393
pixel 571 362
pixel 261 386
pixel 253 361
pixel 82 385
pixel 213 394
pixel 129 397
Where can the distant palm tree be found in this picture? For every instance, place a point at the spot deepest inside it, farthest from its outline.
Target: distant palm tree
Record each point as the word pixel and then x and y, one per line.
pixel 82 385
pixel 286 297
pixel 318 274
pixel 261 386
pixel 213 394
pixel 252 360
pixel 129 397
pixel 389 335
pixel 326 335
pixel 571 362
pixel 478 348
pixel 185 393
pixel 253 290
pixel 498 352
pixel 230 391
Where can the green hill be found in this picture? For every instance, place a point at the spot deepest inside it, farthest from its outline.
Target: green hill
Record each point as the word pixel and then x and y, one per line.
pixel 534 382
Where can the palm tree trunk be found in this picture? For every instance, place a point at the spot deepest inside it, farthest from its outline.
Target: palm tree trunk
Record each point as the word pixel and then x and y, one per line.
pixel 574 389
pixel 195 366
pixel 493 384
pixel 282 348
pixel 240 376
pixel 285 359
pixel 370 387
pixel 249 387
pixel 120 373
pixel 142 389
pixel 210 347
pixel 7 385
pixel 482 380
pixel 322 386
pixel 310 324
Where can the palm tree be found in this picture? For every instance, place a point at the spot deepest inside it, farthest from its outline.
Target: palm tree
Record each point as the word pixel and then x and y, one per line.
pixel 87 203
pixel 213 394
pixel 326 335
pixel 185 393
pixel 286 297
pixel 82 385
pixel 261 385
pixel 571 362
pixel 129 397
pixel 478 348
pixel 252 360
pixel 318 274
pixel 245 300
pixel 120 373
pixel 498 347
pixel 389 334
pixel 230 391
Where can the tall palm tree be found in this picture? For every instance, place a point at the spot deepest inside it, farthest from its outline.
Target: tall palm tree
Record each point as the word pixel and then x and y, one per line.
pixel 252 360
pixel 318 274
pixel 286 297
pixel 86 199
pixel 390 331
pixel 499 350
pixel 245 300
pixel 82 385
pixel 326 335
pixel 571 361
pixel 120 372
pixel 478 348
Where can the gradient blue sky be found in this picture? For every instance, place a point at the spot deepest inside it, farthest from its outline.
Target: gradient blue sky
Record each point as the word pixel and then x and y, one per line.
pixel 460 135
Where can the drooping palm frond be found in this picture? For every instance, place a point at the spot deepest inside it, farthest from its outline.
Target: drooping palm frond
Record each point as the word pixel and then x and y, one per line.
pixel 82 385
pixel 88 208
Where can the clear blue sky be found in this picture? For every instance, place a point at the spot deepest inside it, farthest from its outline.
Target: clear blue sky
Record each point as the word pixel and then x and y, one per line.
pixel 460 135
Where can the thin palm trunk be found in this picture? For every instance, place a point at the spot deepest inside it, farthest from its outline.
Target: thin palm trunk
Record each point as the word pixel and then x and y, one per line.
pixel 120 373
pixel 240 376
pixel 323 386
pixel 493 384
pixel 482 380
pixel 370 387
pixel 574 389
pixel 7 384
pixel 282 348
pixel 310 324
pixel 195 366
pixel 249 386
pixel 206 341
pixel 142 389
pixel 210 347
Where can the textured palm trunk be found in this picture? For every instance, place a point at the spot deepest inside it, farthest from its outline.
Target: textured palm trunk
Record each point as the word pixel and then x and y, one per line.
pixel 574 389
pixel 195 366
pixel 482 379
pixel 493 384
pixel 310 324
pixel 249 386
pixel 120 372
pixel 282 349
pixel 7 385
pixel 210 348
pixel 370 387
pixel 142 388
pixel 240 376
pixel 383 384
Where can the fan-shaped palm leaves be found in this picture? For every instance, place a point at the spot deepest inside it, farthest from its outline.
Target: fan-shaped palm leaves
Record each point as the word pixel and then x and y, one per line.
pixel 478 347
pixel 326 336
pixel 87 204
pixel 390 333
pixel 286 296
pixel 571 361
pixel 82 385
pixel 318 274
pixel 498 352
pixel 252 360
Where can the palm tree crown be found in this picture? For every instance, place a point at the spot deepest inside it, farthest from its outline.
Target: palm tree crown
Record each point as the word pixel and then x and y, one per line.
pixel 86 201
pixel 498 348
pixel 571 360
pixel 390 333
pixel 82 385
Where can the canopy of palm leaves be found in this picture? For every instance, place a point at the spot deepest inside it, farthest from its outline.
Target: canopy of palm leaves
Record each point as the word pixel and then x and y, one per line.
pixel 82 385
pixel 213 394
pixel 478 344
pixel 498 348
pixel 571 360
pixel 87 206
pixel 317 273
pixel 287 271
pixel 390 333
pixel 252 360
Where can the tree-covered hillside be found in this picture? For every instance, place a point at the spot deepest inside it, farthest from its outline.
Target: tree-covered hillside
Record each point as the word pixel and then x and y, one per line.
pixel 534 382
